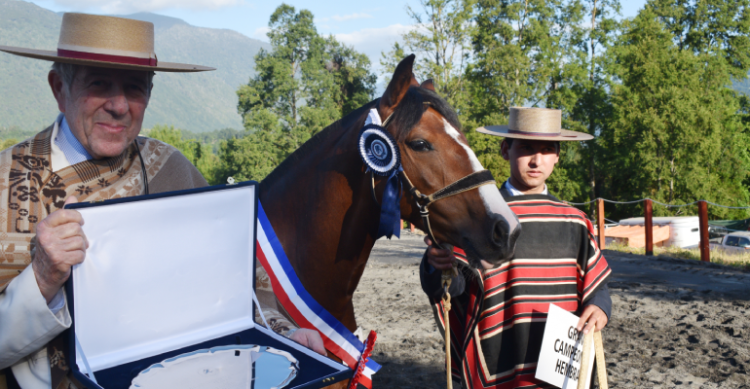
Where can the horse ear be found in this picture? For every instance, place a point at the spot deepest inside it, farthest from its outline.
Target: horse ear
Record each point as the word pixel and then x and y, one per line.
pixel 427 84
pixel 402 79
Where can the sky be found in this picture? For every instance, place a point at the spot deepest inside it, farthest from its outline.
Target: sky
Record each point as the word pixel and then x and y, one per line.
pixel 371 27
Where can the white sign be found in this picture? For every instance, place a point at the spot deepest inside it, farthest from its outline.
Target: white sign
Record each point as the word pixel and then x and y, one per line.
pixel 562 348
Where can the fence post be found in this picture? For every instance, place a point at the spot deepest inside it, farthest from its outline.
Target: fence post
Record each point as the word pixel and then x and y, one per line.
pixel 411 227
pixel 648 213
pixel 401 226
pixel 600 222
pixel 703 220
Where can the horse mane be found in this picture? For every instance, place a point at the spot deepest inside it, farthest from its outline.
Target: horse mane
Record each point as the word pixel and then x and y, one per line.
pixel 312 144
pixel 414 104
pixel 408 113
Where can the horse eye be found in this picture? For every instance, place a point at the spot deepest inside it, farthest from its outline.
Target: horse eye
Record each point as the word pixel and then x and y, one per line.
pixel 420 145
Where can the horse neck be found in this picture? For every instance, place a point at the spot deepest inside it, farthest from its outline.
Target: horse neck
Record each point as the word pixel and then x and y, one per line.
pixel 321 208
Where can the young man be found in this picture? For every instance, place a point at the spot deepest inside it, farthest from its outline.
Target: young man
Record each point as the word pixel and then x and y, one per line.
pixel 498 315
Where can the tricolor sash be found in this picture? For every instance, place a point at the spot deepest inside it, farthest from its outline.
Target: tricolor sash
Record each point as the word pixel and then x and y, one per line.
pixel 301 306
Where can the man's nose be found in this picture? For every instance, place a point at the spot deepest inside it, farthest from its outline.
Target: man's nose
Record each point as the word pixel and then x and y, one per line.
pixel 117 103
pixel 535 158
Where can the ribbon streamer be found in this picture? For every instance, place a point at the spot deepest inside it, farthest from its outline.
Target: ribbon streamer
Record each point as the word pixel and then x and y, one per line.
pixel 390 208
pixel 380 153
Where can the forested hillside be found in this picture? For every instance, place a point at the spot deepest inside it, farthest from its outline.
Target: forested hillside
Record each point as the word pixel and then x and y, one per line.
pixel 195 102
pixel 658 91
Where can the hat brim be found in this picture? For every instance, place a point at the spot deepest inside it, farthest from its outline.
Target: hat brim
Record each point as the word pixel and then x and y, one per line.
pixel 49 55
pixel 564 136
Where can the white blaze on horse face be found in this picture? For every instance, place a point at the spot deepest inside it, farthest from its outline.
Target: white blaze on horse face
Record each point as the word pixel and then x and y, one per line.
pixel 493 200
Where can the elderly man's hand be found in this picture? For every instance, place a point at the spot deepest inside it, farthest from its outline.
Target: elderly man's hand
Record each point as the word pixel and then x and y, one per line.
pixel 594 319
pixel 61 244
pixel 440 259
pixel 310 339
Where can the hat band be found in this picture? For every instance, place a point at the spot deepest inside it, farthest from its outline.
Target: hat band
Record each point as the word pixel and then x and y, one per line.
pixel 106 57
pixel 535 133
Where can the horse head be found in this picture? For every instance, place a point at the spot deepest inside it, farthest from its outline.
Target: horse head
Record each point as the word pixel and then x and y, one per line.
pixel 436 155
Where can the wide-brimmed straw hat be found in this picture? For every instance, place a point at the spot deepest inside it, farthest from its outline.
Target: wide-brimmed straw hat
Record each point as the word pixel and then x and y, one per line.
pixel 535 124
pixel 106 41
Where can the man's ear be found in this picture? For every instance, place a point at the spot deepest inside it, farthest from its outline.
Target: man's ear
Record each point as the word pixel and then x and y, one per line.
pixel 505 150
pixel 57 85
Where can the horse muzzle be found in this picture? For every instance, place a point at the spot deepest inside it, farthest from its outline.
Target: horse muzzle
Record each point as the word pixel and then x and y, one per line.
pixel 497 247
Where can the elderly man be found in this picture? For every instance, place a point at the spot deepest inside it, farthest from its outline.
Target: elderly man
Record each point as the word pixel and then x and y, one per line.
pixel 500 313
pixel 102 80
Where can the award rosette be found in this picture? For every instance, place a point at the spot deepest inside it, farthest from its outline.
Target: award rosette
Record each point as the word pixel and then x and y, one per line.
pixel 378 150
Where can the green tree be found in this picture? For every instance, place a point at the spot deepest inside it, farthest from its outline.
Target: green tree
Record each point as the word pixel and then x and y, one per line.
pixel 528 53
pixel 355 83
pixel 251 157
pixel 271 101
pixel 303 84
pixel 580 86
pixel 441 41
pixel 7 143
pixel 676 132
pixel 199 154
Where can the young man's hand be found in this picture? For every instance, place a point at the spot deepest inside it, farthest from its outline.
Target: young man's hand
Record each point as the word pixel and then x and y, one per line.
pixel 440 259
pixel 594 319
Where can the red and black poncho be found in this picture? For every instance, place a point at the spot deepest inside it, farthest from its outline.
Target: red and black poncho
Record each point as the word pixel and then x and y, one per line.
pixel 497 321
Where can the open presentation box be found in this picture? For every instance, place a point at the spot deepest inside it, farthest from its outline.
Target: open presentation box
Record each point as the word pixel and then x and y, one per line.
pixel 170 274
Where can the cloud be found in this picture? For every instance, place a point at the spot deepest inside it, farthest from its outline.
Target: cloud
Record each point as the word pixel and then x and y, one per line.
pixel 373 41
pixel 351 17
pixel 127 6
pixel 344 18
pixel 260 33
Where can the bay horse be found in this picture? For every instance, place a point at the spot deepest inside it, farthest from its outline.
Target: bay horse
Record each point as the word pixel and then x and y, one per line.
pixel 320 199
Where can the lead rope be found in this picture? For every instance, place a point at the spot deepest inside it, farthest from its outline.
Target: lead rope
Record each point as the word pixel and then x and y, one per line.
pixel 472 181
pixel 447 277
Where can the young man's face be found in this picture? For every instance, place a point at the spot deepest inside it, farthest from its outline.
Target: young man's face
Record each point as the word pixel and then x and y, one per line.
pixel 531 162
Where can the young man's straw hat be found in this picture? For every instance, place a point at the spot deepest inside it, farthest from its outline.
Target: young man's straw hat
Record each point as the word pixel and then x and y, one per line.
pixel 535 124
pixel 107 42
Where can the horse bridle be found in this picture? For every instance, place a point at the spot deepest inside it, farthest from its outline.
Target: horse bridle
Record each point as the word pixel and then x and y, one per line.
pixel 423 201
pixel 467 183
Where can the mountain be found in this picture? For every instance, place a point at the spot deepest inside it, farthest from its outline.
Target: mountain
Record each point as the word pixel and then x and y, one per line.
pixel 196 102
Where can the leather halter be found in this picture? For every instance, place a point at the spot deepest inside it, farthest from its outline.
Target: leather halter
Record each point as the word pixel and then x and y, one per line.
pixel 472 181
pixel 467 183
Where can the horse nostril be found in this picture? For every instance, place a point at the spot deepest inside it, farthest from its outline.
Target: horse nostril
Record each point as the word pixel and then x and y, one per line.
pixel 504 238
pixel 500 232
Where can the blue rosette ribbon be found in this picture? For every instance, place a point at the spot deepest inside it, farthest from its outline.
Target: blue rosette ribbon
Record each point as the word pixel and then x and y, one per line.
pixel 380 154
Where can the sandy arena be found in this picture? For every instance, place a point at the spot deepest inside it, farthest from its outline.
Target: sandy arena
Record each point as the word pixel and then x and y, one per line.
pixel 676 323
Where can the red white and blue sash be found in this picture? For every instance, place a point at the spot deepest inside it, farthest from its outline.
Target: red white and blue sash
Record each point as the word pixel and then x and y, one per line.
pixel 301 306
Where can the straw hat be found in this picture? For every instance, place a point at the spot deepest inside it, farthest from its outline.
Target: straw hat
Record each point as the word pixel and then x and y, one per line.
pixel 535 124
pixel 108 42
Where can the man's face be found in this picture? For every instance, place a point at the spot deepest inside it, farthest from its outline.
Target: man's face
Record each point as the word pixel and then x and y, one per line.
pixel 104 107
pixel 531 163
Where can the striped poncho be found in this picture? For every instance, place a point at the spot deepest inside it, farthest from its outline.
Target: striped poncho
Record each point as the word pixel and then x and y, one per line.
pixel 498 316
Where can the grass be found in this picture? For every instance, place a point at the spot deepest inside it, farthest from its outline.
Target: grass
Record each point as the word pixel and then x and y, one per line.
pixel 741 261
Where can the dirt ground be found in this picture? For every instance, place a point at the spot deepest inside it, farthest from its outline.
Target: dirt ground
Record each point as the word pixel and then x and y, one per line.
pixel 675 323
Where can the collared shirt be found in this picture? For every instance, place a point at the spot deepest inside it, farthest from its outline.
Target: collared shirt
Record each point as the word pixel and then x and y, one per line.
pixel 70 145
pixel 515 192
